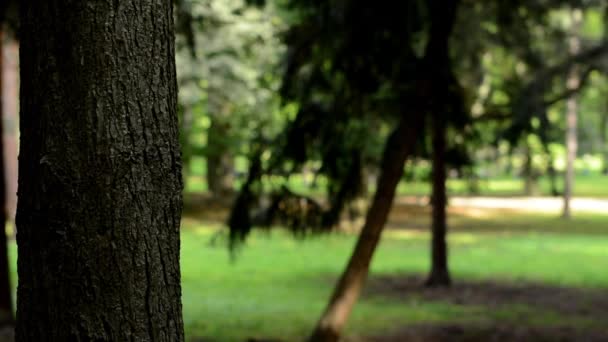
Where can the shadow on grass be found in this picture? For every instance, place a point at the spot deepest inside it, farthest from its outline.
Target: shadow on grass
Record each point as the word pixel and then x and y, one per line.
pixel 507 311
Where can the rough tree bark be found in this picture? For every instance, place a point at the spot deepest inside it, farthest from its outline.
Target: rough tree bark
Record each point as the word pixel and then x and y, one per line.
pixel 100 184
pixel 440 275
pixel 571 116
pixel 6 304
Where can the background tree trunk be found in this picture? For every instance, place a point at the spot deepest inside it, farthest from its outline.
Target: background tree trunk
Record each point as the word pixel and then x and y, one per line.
pixel 604 139
pixel 100 174
pixel 439 275
pixel 398 147
pixel 220 164
pixel 438 64
pixel 530 186
pixel 571 116
pixel 6 305
pixel 10 108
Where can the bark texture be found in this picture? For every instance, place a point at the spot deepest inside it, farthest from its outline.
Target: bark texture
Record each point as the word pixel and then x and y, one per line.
pixel 398 147
pixel 100 184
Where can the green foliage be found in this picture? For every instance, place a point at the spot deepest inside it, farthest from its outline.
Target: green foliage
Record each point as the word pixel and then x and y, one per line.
pixel 228 86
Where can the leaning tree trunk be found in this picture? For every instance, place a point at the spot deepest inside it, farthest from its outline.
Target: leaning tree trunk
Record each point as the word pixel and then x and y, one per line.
pixel 100 174
pixel 439 275
pixel 6 304
pixel 571 117
pixel 398 147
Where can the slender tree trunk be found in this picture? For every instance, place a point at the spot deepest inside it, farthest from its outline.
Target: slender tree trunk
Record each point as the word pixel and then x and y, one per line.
pixel 398 147
pixel 571 117
pixel 6 305
pixel 99 203
pixel 604 139
pixel 443 14
pixel 552 176
pixel 551 171
pixel 220 164
pixel 604 124
pixel 528 172
pixel 439 275
pixel 10 108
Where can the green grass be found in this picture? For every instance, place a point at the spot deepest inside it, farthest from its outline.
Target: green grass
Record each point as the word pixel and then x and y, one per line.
pixel 586 185
pixel 277 286
pixel 591 185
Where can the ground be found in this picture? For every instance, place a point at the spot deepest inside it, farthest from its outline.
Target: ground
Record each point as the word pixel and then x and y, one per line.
pixel 520 275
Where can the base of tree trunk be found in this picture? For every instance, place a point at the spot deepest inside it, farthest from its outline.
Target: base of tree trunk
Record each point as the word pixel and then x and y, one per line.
pixel 439 278
pixel 324 334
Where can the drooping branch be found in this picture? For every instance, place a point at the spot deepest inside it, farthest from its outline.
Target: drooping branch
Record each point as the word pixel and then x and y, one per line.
pixel 584 77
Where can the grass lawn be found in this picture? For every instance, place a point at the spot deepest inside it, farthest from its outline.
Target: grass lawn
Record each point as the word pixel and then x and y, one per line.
pixel 277 286
pixel 586 185
pixel 590 185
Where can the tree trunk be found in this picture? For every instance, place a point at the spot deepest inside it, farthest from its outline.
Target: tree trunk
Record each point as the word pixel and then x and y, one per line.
pixel 552 176
pixel 443 14
pixel 528 173
pixel 99 202
pixel 571 117
pixel 439 275
pixel 398 147
pixel 604 139
pixel 220 164
pixel 10 109
pixel 6 304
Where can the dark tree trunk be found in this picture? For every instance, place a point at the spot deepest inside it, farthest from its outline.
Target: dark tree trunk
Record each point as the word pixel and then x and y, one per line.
pixel 6 305
pixel 438 64
pixel 99 205
pixel 398 147
pixel 528 173
pixel 439 275
pixel 551 172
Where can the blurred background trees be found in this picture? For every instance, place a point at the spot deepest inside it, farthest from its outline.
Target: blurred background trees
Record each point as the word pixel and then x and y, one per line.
pixel 315 115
